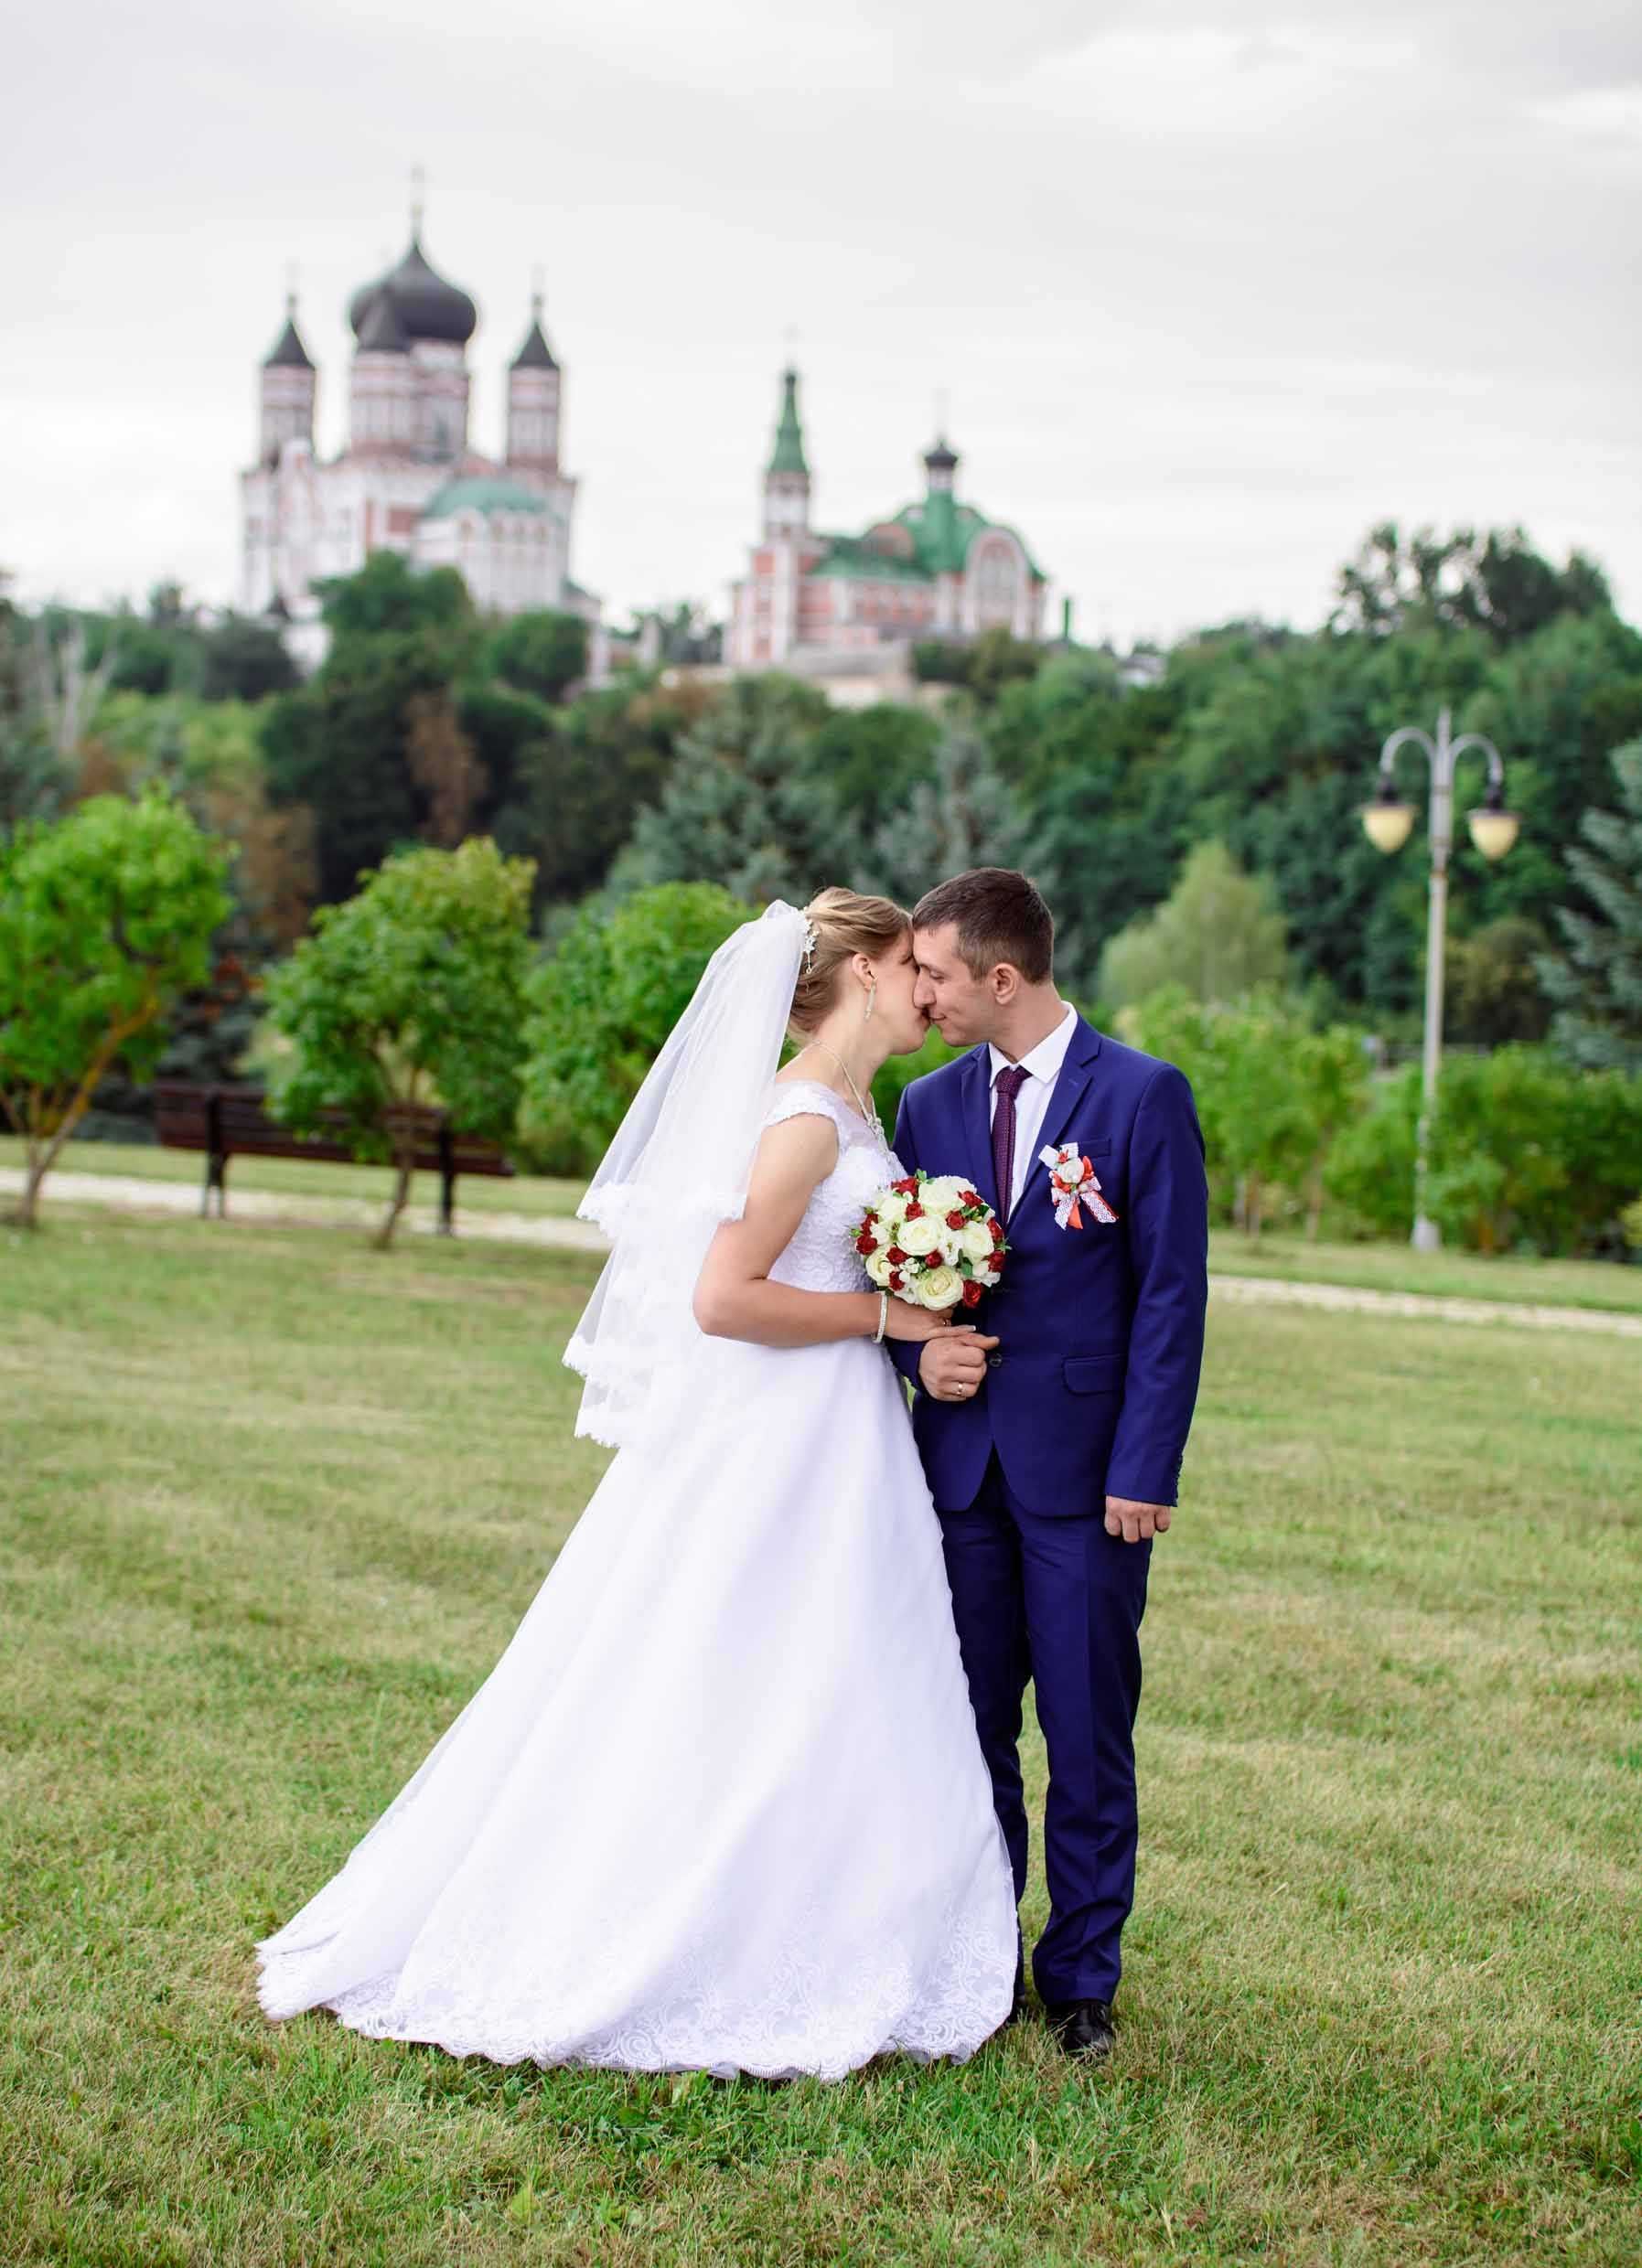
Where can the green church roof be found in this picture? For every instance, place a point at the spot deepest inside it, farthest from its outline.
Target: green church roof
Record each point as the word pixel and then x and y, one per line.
pixel 482 492
pixel 863 561
pixel 943 530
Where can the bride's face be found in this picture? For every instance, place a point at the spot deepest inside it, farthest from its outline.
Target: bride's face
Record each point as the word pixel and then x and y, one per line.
pixel 905 1023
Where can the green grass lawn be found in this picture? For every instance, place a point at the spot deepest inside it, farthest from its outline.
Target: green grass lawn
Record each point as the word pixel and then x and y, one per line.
pixel 1444 1275
pixel 295 1177
pixel 270 1505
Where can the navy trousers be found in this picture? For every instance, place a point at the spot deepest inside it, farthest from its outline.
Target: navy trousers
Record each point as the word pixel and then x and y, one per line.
pixel 1058 1601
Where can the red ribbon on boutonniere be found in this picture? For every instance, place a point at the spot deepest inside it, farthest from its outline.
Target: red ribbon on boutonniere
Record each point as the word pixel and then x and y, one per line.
pixel 1073 1182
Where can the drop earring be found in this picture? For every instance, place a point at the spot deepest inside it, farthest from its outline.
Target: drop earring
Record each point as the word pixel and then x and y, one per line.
pixel 872 1002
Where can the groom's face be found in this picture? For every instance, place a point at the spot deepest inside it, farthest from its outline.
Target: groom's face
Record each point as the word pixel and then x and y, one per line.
pixel 962 1006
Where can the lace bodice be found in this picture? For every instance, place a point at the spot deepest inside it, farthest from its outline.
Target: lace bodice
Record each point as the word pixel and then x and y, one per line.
pixel 820 1258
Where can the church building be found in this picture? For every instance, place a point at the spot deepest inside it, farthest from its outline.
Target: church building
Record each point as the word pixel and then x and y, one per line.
pixel 408 478
pixel 832 605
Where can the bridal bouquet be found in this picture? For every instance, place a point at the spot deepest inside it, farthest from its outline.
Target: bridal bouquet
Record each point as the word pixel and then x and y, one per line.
pixel 932 1241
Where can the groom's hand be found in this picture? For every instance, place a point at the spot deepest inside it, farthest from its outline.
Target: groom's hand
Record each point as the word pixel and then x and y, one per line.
pixel 952 1367
pixel 1134 1522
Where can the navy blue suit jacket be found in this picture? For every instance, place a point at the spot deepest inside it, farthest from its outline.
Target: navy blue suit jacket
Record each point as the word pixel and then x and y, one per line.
pixel 1091 1388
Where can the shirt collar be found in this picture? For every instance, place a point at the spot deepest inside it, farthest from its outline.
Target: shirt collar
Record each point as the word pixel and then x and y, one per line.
pixel 1045 1061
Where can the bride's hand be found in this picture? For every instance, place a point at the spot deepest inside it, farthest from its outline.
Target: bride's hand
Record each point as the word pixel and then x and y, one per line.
pixel 918 1324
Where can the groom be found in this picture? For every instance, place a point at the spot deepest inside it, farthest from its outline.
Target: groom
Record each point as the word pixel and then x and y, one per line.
pixel 1052 1433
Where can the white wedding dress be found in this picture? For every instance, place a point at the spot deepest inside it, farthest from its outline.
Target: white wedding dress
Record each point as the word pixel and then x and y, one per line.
pixel 721 1805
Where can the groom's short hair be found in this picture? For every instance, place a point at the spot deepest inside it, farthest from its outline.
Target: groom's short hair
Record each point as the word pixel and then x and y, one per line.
pixel 999 916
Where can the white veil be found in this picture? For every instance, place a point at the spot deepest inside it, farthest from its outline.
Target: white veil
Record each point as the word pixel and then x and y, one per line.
pixel 679 1165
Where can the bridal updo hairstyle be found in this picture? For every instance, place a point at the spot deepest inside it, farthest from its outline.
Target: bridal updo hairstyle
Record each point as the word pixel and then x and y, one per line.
pixel 845 924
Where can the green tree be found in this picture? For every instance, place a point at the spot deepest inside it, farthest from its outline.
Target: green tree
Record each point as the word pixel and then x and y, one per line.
pixel 542 652
pixel 105 917
pixel 389 598
pixel 1492 995
pixel 410 993
pixel 355 745
pixel 740 806
pixel 1596 983
pixel 605 1002
pixel 245 661
pixel 963 816
pixel 982 666
pixel 1273 1093
pixel 1498 584
pixel 870 762
pixel 1218 936
pixel 570 782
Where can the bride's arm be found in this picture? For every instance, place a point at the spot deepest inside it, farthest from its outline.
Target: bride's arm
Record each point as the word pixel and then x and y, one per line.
pixel 734 1296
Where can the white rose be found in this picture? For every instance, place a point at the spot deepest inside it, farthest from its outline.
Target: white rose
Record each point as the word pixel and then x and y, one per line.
pixel 974 1242
pixel 878 1268
pixel 918 1236
pixel 941 1286
pixel 943 1195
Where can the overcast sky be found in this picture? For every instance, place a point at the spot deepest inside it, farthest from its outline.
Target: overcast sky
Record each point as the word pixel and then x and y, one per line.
pixel 1208 289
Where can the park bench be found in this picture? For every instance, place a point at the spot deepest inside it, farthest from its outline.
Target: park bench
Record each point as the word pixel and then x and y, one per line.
pixel 230 1121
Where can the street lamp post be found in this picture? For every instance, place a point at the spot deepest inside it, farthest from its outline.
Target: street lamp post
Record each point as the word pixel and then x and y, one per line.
pixel 1388 822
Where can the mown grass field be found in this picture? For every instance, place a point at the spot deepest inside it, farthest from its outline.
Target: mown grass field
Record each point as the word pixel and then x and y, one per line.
pixel 270 1505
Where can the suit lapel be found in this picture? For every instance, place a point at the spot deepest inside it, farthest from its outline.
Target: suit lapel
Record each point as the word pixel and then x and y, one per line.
pixel 977 1123
pixel 1075 1072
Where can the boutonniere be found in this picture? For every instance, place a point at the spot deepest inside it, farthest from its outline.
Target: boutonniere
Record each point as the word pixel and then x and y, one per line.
pixel 1073 1182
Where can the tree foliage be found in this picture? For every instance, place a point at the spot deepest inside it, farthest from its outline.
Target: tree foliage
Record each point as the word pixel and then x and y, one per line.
pixel 1527 1151
pixel 1273 1093
pixel 106 917
pixel 1498 584
pixel 1218 937
pixel 540 652
pixel 604 1003
pixel 738 806
pixel 411 992
pixel 1595 982
pixel 963 815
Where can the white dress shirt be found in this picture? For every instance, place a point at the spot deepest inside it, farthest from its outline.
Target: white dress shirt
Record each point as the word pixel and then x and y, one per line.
pixel 1042 1067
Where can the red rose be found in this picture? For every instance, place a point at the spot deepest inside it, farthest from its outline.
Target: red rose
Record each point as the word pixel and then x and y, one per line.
pixel 895 1282
pixel 997 1232
pixel 954 1220
pixel 897 1259
pixel 972 1293
pixel 915 1213
pixel 974 1197
pixel 865 1243
pixel 995 1262
pixel 909 1188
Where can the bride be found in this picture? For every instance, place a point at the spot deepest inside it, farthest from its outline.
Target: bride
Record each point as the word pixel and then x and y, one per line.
pixel 721 1805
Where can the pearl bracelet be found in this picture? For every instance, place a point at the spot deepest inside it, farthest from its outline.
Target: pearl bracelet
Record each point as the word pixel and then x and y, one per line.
pixel 883 1318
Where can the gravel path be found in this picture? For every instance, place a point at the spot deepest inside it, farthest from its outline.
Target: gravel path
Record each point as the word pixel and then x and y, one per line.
pixel 129 1192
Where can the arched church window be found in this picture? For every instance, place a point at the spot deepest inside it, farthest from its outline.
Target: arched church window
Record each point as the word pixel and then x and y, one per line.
pixel 997 582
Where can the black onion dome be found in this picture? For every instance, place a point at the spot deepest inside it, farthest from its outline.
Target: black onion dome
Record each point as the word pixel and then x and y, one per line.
pixel 382 332
pixel 426 305
pixel 942 458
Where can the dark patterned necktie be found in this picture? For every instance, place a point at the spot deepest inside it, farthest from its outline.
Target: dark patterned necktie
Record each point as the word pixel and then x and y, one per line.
pixel 1008 1085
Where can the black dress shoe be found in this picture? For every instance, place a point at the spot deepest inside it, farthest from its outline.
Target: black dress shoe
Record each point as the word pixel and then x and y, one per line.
pixel 1084 2028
